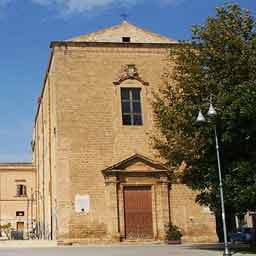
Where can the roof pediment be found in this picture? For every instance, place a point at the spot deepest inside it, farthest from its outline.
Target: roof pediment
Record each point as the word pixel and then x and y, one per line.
pixel 116 33
pixel 136 163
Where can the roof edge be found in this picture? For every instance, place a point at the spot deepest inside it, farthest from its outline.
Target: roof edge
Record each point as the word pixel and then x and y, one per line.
pixel 16 163
pixel 43 87
pixel 117 26
pixel 112 44
pixel 26 166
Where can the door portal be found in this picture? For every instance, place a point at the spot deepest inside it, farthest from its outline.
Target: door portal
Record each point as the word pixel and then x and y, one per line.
pixel 20 226
pixel 138 212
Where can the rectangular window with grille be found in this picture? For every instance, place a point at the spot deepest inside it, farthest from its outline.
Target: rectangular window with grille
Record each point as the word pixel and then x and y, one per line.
pixel 131 106
pixel 20 213
pixel 21 190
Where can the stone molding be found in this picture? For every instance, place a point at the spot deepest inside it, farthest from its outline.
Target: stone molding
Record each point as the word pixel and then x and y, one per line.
pixel 129 71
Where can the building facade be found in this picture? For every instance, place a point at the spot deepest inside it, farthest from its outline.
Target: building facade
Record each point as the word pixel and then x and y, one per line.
pixel 98 176
pixel 17 184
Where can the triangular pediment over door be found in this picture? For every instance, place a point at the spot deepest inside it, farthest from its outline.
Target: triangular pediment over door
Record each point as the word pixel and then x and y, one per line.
pixel 137 163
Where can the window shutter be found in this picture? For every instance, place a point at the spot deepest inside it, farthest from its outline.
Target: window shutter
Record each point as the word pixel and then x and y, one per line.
pixel 24 190
pixel 18 190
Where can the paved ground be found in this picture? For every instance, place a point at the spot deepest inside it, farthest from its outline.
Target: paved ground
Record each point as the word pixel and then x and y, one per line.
pixel 124 250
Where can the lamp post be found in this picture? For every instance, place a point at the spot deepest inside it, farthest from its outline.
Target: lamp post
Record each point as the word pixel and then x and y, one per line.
pixel 36 196
pixel 201 119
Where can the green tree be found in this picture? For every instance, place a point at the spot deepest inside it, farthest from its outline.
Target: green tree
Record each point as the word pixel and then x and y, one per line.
pixel 219 60
pixel 6 228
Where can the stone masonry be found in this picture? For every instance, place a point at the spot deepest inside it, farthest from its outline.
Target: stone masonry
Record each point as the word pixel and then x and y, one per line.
pixel 82 149
pixel 17 184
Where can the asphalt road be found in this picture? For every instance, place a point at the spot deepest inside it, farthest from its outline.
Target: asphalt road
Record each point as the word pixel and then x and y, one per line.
pixel 124 250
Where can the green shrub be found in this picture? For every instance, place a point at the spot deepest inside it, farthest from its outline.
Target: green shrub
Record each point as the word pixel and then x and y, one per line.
pixel 172 232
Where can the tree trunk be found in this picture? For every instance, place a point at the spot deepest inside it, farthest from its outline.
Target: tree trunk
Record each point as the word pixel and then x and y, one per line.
pixel 230 223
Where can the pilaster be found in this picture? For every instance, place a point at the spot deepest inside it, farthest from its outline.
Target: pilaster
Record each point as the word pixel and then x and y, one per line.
pixel 112 207
pixel 164 207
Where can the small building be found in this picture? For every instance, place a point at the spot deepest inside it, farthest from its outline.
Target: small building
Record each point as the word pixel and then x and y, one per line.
pixel 249 220
pixel 98 177
pixel 17 183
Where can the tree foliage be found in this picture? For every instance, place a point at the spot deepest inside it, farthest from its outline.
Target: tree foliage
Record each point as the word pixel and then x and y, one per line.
pixel 6 228
pixel 219 60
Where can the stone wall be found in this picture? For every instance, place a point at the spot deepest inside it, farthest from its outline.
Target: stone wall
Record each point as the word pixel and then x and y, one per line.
pixel 90 131
pixel 79 133
pixel 196 222
pixel 11 175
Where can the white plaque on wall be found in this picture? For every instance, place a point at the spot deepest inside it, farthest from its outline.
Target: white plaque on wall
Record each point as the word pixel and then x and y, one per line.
pixel 82 203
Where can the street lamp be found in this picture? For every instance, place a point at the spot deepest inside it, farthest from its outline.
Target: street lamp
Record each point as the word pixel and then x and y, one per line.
pixel 201 119
pixel 35 196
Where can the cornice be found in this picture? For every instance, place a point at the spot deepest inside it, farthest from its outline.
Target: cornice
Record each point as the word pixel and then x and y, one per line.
pixel 17 167
pixel 110 44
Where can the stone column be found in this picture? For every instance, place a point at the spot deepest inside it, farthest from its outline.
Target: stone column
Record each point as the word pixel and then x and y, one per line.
pixel 164 207
pixel 112 208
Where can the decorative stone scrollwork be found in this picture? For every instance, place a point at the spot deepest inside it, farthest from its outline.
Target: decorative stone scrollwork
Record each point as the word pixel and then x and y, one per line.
pixel 129 71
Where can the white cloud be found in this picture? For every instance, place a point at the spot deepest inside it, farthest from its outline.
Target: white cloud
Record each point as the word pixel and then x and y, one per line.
pixel 81 6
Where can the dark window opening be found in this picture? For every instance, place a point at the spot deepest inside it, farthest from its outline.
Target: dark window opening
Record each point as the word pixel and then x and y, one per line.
pixel 126 39
pixel 131 106
pixel 20 213
pixel 21 190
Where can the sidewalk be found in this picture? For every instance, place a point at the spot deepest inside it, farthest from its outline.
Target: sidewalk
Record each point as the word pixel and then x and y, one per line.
pixel 27 243
pixel 124 250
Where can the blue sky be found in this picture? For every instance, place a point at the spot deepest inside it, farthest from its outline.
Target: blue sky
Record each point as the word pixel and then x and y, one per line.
pixel 28 26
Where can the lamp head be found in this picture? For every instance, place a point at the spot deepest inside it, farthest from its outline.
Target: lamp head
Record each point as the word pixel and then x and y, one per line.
pixel 211 112
pixel 200 118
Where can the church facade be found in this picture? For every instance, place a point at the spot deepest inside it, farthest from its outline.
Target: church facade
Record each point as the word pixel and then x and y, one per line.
pixel 98 177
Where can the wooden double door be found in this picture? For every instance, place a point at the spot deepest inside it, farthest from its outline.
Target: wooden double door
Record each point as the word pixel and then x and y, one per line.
pixel 138 212
pixel 20 226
